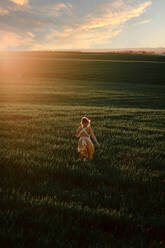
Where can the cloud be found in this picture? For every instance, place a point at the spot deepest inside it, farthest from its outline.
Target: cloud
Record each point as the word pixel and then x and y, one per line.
pixel 61 6
pixel 52 10
pixel 22 18
pixel 115 13
pixel 20 2
pixel 96 28
pixel 71 38
pixel 3 11
pixel 59 25
pixel 10 39
pixel 142 22
pixel 31 34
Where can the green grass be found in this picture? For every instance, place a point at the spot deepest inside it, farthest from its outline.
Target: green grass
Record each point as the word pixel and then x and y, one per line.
pixel 48 197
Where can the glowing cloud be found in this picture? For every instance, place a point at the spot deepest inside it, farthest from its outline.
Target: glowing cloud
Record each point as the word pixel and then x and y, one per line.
pixel 97 28
pixel 3 12
pixel 11 39
pixel 20 2
pixel 69 39
pixel 60 6
pixel 55 24
pixel 31 34
pixel 114 14
pixel 144 22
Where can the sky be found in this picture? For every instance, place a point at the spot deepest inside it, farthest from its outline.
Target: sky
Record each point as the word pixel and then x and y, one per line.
pixel 81 24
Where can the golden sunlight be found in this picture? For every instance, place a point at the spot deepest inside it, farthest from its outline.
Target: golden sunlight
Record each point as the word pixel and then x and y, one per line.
pixel 20 2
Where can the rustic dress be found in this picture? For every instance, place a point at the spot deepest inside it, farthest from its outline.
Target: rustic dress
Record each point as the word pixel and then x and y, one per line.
pixel 85 145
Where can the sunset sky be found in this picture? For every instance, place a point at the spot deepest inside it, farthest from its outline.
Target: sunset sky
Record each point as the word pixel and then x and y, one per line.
pixel 81 24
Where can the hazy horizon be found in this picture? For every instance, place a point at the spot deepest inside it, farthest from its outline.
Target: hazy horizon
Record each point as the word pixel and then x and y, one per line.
pixel 133 49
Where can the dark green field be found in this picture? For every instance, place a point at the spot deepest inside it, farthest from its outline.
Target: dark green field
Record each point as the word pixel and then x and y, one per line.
pixel 48 197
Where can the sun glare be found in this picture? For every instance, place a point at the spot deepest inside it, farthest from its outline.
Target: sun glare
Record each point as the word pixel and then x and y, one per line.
pixel 20 2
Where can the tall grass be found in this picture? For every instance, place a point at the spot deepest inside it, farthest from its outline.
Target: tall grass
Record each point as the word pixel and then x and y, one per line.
pixel 50 198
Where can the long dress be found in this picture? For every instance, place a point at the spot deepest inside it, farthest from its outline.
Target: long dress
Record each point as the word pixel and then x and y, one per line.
pixel 85 145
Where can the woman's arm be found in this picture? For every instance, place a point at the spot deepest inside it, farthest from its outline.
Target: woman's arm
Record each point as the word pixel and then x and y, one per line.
pixel 95 140
pixel 78 133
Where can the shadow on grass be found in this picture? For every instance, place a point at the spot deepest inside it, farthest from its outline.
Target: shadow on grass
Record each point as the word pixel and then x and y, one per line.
pixel 87 201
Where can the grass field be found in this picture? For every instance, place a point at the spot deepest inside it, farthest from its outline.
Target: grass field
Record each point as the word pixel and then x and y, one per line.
pixel 48 197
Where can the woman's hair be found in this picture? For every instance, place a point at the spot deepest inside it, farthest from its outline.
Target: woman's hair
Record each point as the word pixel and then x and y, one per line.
pixel 85 121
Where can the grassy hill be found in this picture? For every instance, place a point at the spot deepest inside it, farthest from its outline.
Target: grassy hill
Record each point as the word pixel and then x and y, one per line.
pixel 85 66
pixel 48 197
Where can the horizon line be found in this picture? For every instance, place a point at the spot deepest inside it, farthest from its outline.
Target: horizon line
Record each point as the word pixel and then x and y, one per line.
pixel 82 49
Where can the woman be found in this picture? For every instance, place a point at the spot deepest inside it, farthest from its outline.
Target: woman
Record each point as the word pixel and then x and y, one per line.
pixel 85 145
